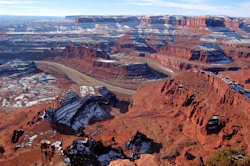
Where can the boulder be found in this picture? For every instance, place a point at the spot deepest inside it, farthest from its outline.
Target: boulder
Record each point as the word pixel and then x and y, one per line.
pixel 141 143
pixel 213 125
pixel 2 150
pixel 189 156
pixel 16 135
pixel 108 95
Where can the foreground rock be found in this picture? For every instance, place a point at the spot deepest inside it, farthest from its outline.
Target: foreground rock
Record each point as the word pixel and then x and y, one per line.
pixel 91 153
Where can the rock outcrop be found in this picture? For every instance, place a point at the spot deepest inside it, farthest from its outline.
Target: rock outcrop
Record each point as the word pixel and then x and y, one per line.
pixel 75 112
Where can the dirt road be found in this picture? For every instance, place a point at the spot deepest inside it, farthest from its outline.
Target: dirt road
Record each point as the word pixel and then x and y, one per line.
pixel 83 79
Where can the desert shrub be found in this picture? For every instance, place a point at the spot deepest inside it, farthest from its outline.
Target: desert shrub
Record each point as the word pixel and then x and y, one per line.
pixel 228 157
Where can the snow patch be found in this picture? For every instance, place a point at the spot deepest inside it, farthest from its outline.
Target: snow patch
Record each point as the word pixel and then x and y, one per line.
pixel 87 91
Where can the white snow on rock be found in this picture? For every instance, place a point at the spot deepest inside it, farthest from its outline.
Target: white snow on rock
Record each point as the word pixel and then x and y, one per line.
pixel 106 60
pixel 27 91
pixel 208 39
pixel 29 104
pixel 238 41
pixel 87 91
pixel 45 142
pixel 31 140
pixel 67 160
pixel 57 144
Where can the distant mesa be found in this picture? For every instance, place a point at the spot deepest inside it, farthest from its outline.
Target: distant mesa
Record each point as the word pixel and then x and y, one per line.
pixel 18 69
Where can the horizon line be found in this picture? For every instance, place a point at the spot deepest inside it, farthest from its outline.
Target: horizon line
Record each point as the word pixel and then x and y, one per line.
pixel 113 15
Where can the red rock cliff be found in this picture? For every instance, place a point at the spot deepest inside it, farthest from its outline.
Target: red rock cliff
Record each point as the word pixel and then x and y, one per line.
pixel 184 114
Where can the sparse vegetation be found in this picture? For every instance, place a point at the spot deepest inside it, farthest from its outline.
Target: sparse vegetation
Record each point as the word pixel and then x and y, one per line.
pixel 229 157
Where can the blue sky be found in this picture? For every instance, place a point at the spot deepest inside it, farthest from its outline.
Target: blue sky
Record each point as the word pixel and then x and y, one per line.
pixel 125 7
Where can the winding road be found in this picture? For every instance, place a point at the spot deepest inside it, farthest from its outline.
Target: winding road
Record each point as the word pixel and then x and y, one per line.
pixel 83 79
